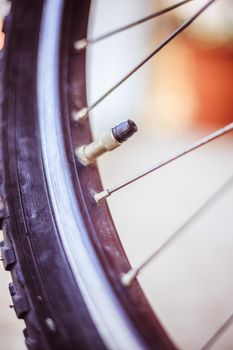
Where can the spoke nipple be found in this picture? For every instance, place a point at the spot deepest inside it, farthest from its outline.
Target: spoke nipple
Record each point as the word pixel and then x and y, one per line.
pixel 128 277
pixel 80 115
pixel 87 154
pixel 101 195
pixel 80 44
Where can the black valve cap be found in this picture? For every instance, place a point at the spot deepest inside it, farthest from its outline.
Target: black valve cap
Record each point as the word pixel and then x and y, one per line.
pixel 124 130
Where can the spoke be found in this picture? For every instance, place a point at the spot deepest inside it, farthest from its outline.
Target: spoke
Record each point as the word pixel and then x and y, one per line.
pixel 106 193
pixel 83 43
pixel 129 276
pixel 81 114
pixel 213 340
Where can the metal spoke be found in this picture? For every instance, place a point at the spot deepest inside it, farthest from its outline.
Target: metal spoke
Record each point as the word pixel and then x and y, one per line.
pixel 82 113
pixel 213 340
pixel 83 43
pixel 106 193
pixel 129 276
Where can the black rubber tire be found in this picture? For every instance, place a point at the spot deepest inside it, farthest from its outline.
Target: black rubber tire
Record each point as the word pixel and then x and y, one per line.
pixel 43 290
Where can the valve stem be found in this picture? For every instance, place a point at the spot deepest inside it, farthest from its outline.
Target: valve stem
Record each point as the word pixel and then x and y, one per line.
pixel 87 154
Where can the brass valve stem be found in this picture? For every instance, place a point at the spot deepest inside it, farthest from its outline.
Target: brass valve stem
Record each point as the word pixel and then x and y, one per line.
pixel 87 154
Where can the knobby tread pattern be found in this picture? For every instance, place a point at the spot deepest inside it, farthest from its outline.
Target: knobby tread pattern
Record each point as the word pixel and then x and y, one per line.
pixel 18 291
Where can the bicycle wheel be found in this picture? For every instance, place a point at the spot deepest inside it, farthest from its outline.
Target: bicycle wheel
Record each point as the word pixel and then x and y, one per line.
pixel 61 247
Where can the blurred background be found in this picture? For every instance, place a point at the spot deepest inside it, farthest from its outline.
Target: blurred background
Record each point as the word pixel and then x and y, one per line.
pixel 182 94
